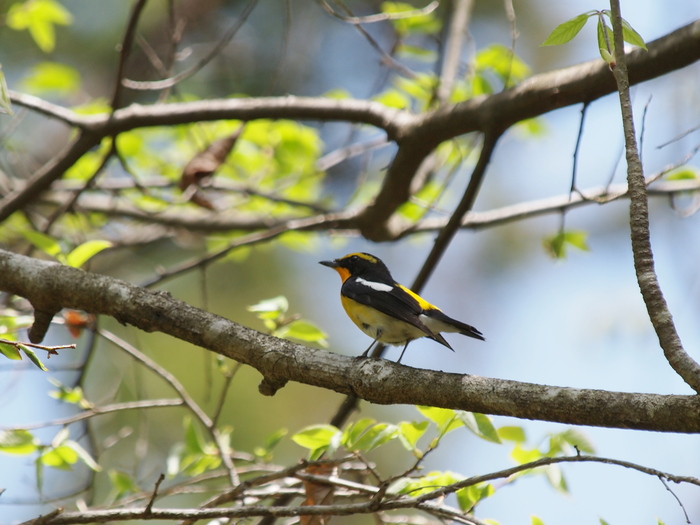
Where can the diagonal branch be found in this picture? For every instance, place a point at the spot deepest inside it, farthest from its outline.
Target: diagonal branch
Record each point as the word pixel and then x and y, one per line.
pixel 377 381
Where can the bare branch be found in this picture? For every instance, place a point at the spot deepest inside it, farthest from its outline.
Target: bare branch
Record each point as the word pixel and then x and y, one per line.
pixel 280 361
pixel 658 310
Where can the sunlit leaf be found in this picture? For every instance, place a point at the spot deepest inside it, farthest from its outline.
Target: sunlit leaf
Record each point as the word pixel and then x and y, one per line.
pixel 43 242
pixel 684 173
pixel 631 36
pixel 34 358
pixel 51 78
pixel 83 454
pixel 375 436
pixel 10 351
pixel 468 497
pixel 39 17
pixel 19 442
pixel 606 42
pixel 421 23
pixel 315 436
pixel 566 31
pixel 303 330
pixel 512 433
pixel 410 433
pixel 445 418
pixel 270 308
pixel 534 520
pixel 556 245
pixel 62 457
pixel 480 425
pixel 522 455
pixel 122 483
pixel 84 252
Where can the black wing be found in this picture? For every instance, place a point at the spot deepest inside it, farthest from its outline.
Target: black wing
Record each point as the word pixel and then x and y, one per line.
pixel 395 303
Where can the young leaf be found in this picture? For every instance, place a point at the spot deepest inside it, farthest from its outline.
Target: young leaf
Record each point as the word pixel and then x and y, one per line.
pixel 376 436
pixel 122 483
pixel 33 358
pixel 84 252
pixel 468 497
pixel 10 351
pixel 480 425
pixel 631 36
pixel 19 442
pixel 315 436
pixel 606 41
pixel 62 457
pixel 410 433
pixel 303 330
pixel 39 17
pixel 566 31
pixel 512 433
pixel 445 419
pixel 83 454
pixel 270 308
pixel 51 78
pixel 43 242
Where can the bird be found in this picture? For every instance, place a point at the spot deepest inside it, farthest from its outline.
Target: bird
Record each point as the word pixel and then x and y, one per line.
pixel 387 311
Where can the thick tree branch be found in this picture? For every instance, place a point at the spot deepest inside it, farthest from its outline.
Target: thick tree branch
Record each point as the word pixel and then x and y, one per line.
pixel 658 310
pixel 417 136
pixel 377 381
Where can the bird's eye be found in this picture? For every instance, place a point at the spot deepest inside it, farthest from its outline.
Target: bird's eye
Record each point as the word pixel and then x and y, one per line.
pixel 353 258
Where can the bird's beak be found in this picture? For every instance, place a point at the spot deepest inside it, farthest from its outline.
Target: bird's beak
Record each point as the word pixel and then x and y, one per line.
pixel 330 264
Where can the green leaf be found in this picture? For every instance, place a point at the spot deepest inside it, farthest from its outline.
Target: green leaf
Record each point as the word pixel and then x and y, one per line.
pixel 512 433
pixel 265 451
pixel 19 442
pixel 34 358
pixel 445 419
pixel 194 442
pixel 68 395
pixel 83 454
pixel 606 47
pixel 62 457
pixel 355 430
pixel 84 252
pixel 410 433
pixel 468 497
pixel 375 436
pixel 39 17
pixel 427 483
pixel 534 520
pixel 10 351
pixel 566 31
pixel 122 483
pixel 556 244
pixel 603 522
pixel 43 242
pixel 51 78
pixel 419 24
pixel 303 330
pixel 683 173
pixel 522 456
pixel 270 308
pixel 631 36
pixel 315 436
pixel 480 425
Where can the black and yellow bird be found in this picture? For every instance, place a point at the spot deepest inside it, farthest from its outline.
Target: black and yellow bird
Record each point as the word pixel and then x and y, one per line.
pixel 387 311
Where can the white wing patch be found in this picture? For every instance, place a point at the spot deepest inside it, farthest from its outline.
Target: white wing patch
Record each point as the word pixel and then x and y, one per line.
pixel 379 287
